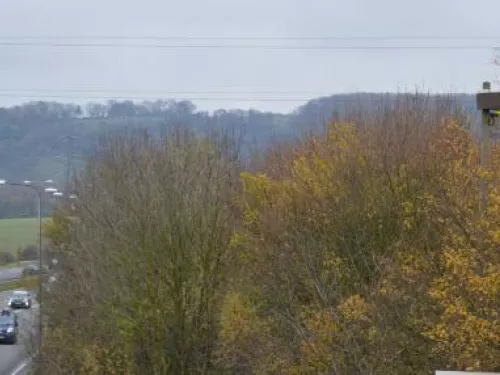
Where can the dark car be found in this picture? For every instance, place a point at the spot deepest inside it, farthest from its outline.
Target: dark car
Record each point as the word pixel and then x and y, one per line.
pixel 20 299
pixel 9 327
pixel 31 270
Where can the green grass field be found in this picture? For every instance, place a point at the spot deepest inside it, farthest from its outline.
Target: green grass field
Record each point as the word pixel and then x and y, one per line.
pixel 16 233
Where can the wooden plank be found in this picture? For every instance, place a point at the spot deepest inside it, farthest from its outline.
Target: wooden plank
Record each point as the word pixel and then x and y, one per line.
pixel 488 100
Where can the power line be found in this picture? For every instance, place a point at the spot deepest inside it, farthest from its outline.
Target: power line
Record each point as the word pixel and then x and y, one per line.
pixel 282 38
pixel 103 93
pixel 313 96
pixel 158 92
pixel 101 97
pixel 249 46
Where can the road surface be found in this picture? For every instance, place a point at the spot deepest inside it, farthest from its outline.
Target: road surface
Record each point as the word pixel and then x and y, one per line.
pixel 13 356
pixel 12 273
pixel 7 274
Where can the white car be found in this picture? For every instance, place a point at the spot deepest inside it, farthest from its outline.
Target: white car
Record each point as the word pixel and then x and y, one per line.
pixel 20 299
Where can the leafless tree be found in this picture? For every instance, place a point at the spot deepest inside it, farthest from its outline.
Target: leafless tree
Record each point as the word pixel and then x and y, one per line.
pixel 147 257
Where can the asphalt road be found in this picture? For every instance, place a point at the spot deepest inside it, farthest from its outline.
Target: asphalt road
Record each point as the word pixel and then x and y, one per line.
pixel 7 274
pixel 13 273
pixel 13 356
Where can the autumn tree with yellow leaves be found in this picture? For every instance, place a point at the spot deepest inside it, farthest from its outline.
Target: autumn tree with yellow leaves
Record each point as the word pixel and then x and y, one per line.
pixel 366 250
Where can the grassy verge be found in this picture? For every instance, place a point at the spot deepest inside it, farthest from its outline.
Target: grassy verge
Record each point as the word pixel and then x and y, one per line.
pixel 29 283
pixel 10 265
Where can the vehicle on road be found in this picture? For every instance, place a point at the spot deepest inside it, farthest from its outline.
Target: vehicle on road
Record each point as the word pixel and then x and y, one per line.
pixel 9 327
pixel 20 299
pixel 31 270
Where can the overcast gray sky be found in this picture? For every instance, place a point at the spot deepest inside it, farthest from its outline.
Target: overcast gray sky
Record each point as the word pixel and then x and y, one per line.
pixel 301 74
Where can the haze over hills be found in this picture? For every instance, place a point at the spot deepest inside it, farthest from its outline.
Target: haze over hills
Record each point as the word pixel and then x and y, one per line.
pixel 41 140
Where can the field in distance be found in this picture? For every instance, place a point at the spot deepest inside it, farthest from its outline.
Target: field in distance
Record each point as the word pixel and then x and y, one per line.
pixel 15 233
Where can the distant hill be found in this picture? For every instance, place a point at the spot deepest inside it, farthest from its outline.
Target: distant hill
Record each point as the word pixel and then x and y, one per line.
pixel 40 140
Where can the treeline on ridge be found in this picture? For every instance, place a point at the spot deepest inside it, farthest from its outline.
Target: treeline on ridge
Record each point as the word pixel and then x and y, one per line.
pixel 40 140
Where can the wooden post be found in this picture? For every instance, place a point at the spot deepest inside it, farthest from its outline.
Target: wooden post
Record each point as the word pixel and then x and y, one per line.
pixel 486 102
pixel 485 155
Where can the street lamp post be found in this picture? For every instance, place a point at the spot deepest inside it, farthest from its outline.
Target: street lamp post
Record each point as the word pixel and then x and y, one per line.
pixel 39 190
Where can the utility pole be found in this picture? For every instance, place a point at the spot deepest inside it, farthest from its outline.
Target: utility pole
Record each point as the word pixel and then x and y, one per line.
pixel 69 162
pixel 488 103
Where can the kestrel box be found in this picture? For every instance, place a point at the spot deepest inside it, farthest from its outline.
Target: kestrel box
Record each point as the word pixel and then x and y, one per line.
pixel 488 100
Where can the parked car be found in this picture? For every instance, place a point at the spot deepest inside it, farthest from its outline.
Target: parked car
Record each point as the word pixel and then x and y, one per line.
pixel 9 327
pixel 20 299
